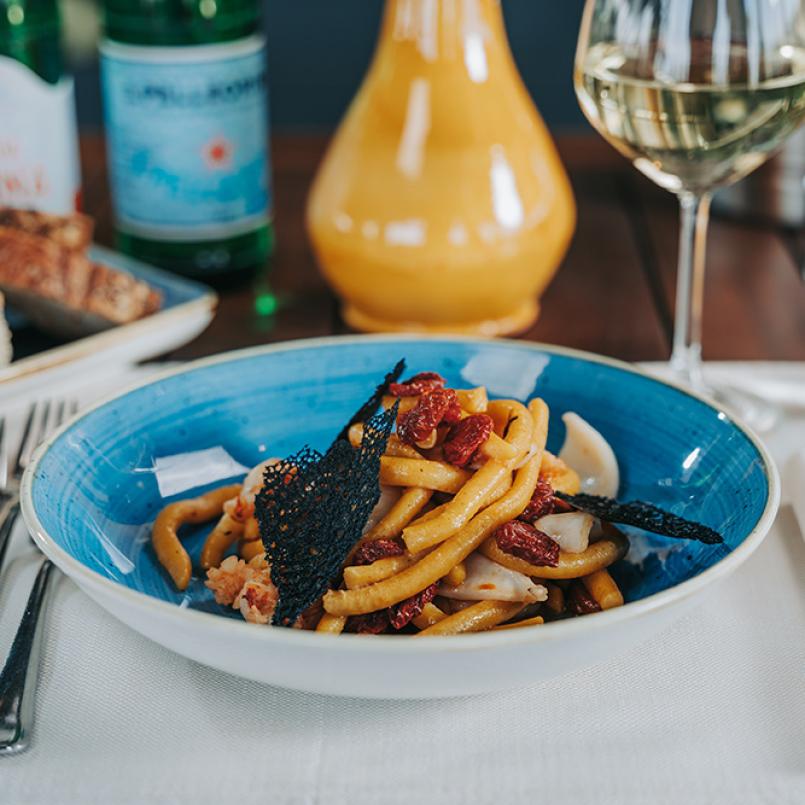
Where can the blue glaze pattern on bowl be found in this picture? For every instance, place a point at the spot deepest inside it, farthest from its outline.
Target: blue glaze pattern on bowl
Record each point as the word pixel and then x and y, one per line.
pixel 96 489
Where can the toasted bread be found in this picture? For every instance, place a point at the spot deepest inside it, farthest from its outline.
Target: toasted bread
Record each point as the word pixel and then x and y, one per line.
pixel 72 232
pixel 63 291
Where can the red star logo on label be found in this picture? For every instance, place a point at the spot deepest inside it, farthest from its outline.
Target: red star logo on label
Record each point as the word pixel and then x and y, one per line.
pixel 218 153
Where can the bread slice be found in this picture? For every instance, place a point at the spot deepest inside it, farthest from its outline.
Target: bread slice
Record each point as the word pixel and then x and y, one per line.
pixel 63 291
pixel 72 232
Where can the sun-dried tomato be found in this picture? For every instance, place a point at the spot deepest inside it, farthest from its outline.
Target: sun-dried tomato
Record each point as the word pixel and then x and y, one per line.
pixel 416 385
pixel 465 437
pixel 453 413
pixel 541 503
pixel 526 542
pixel 429 412
pixel 403 613
pixel 377 549
pixel 371 623
pixel 579 600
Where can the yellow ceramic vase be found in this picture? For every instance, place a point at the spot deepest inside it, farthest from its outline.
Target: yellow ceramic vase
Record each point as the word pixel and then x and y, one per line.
pixel 441 204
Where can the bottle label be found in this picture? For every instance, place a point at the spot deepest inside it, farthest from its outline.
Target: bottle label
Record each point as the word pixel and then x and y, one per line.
pixel 187 133
pixel 39 166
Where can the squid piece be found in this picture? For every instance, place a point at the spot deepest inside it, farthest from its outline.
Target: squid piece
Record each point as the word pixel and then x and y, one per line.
pixel 488 581
pixel 589 453
pixel 570 529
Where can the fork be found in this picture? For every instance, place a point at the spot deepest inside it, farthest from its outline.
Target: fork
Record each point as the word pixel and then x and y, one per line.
pixel 19 675
pixel 10 485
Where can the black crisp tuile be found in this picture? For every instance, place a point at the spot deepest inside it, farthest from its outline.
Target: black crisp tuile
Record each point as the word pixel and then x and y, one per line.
pixel 370 406
pixel 643 515
pixel 312 510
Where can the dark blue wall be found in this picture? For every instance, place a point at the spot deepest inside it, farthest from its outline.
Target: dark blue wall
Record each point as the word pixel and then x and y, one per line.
pixel 319 50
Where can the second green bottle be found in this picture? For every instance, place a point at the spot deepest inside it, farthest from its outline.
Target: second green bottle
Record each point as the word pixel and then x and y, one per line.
pixel 185 100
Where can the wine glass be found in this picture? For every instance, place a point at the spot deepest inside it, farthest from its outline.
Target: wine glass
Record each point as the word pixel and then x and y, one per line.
pixel 697 94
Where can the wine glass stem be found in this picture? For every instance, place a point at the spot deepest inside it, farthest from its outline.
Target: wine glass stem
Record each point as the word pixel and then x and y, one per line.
pixel 686 358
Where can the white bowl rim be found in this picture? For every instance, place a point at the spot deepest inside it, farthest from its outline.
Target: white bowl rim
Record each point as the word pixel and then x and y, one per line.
pixel 90 579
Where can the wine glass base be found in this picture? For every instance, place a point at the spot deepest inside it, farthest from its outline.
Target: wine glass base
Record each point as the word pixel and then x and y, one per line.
pixel 757 412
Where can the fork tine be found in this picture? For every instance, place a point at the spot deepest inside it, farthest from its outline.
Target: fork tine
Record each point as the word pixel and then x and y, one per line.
pixel 26 433
pixel 67 409
pixel 61 413
pixel 37 434
pixel 3 455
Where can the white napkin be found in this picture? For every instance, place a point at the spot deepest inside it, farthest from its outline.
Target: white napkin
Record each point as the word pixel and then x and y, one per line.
pixel 709 712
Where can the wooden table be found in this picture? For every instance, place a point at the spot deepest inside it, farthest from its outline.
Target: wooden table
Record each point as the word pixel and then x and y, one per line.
pixel 613 294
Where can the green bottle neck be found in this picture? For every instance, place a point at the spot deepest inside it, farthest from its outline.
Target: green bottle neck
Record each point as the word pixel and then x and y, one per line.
pixel 30 33
pixel 180 22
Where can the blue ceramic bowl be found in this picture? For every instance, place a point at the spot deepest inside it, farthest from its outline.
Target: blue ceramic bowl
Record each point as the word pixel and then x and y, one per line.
pixel 94 489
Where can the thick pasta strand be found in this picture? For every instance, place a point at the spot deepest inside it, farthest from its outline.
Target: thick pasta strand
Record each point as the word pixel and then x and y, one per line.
pixel 446 556
pixel 164 537
pixel 251 529
pixel 457 576
pixel 599 555
pixel 436 475
pixel 602 587
pixel 430 614
pixel 406 403
pixel 363 575
pixel 473 401
pixel 410 504
pixel 536 621
pixel 430 441
pixel 331 624
pixel 394 447
pixel 495 494
pixel 498 449
pixel 519 426
pixel 248 550
pixel 397 447
pixel 464 506
pixel 432 514
pixel 220 539
pixel 479 617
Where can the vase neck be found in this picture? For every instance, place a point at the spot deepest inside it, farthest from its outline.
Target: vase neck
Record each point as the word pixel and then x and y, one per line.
pixel 435 31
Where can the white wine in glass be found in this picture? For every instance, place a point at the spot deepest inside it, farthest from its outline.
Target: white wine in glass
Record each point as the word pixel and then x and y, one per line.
pixel 697 94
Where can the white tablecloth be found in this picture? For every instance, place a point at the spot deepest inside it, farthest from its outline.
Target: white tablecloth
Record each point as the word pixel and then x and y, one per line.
pixel 711 711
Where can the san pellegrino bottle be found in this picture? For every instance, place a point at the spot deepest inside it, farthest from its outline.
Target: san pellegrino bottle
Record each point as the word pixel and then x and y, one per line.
pixel 39 167
pixel 184 85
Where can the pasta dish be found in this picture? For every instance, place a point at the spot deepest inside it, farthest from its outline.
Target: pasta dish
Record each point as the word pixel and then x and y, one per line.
pixel 473 524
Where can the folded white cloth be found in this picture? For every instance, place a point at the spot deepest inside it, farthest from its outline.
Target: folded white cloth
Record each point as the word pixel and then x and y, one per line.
pixel 709 712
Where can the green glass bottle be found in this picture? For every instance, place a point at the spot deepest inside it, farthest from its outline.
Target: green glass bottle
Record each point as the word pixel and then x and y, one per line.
pixel 38 140
pixel 187 134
